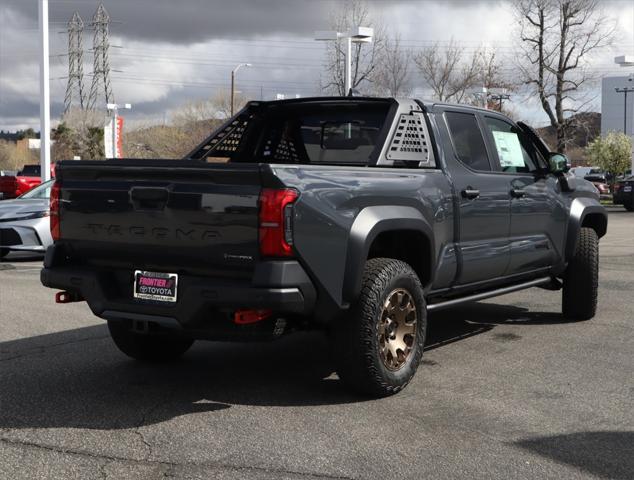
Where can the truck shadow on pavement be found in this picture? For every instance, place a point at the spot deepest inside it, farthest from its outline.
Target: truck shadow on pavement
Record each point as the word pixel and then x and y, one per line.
pixel 608 454
pixel 78 379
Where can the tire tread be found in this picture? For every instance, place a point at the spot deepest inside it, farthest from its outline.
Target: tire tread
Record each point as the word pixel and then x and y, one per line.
pixel 354 343
pixel 581 280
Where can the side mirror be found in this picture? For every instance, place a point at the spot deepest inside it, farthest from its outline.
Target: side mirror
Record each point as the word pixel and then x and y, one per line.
pixel 558 163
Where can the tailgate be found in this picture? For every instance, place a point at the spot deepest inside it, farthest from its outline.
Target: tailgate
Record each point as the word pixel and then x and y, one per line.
pixel 164 215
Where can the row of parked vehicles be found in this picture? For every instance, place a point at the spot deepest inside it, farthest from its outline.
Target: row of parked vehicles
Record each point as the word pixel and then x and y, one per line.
pixel 24 213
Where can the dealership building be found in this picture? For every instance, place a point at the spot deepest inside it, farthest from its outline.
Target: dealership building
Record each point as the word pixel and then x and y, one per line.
pixel 617 104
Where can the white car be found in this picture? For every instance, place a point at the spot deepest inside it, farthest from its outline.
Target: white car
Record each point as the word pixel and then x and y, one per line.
pixel 25 222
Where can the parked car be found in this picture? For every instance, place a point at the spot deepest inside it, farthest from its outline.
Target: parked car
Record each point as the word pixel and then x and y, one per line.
pixel 355 216
pixel 580 171
pixel 24 221
pixel 623 193
pixel 600 181
pixel 12 185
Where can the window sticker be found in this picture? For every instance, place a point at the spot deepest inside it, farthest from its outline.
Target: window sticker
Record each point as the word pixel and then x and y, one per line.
pixel 509 149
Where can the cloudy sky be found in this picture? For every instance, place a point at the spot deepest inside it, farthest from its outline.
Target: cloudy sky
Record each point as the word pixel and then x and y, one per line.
pixel 165 53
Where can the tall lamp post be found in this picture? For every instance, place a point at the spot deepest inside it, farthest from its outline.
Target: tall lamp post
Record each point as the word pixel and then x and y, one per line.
pixel 355 35
pixel 626 61
pixel 624 91
pixel 45 109
pixel 233 82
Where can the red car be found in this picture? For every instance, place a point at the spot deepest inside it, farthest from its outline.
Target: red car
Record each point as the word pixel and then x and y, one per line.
pixel 12 186
pixel 600 181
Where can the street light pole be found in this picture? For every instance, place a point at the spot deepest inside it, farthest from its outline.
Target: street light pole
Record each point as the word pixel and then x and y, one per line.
pixel 626 61
pixel 624 91
pixel 233 82
pixel 355 35
pixel 45 110
pixel 348 82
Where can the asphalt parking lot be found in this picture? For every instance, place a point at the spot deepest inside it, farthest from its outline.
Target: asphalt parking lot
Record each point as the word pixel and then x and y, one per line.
pixel 507 389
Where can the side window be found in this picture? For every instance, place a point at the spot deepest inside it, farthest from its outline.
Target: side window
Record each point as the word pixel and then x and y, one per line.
pixel 467 140
pixel 515 153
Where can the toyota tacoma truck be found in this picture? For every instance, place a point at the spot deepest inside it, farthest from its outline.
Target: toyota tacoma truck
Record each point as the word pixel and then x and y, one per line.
pixel 355 216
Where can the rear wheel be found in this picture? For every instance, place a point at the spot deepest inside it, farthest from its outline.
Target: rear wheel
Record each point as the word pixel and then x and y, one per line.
pixel 147 347
pixel 4 252
pixel 581 279
pixel 629 206
pixel 380 345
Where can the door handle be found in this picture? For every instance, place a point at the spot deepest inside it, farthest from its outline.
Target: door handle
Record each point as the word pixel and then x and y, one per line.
pixel 518 192
pixel 149 198
pixel 470 193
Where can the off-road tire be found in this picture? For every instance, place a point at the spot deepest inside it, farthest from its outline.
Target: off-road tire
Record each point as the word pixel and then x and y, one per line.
pixel 581 279
pixel 150 347
pixel 356 341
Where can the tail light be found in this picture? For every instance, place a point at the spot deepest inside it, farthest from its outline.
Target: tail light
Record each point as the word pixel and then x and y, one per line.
pixel 54 208
pixel 617 187
pixel 246 317
pixel 276 222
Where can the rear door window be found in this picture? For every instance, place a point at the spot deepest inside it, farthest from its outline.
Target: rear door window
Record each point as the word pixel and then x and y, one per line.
pixel 467 140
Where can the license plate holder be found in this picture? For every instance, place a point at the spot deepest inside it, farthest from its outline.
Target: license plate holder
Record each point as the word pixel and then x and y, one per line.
pixel 155 286
pixel 627 188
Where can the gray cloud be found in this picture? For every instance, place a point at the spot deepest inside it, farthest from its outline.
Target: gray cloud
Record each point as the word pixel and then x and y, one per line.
pixel 180 50
pixel 194 20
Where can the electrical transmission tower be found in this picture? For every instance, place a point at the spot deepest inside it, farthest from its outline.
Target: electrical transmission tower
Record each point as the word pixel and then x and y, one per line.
pixel 101 68
pixel 75 87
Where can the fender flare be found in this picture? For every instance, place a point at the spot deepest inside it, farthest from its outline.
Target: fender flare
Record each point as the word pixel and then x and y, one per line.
pixel 368 224
pixel 580 209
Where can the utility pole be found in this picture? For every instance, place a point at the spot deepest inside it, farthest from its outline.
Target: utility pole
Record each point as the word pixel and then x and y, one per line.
pixel 45 109
pixel 500 97
pixel 75 87
pixel 101 65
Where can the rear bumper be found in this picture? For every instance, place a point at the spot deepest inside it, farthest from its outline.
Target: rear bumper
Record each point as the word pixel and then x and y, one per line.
pixel 282 287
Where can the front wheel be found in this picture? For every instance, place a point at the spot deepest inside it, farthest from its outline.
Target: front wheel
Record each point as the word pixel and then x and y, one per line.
pixel 151 348
pixel 380 345
pixel 581 279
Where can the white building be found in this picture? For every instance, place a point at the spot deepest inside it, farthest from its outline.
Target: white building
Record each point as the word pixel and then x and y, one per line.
pixel 616 114
pixel 613 114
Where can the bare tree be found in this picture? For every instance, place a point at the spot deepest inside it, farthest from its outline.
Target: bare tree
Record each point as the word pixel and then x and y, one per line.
pixel 557 36
pixel 159 141
pixel 446 72
pixel 392 72
pixel 9 157
pixel 364 55
pixel 216 107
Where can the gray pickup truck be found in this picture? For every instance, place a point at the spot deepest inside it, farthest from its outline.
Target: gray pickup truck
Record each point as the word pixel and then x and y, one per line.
pixel 355 216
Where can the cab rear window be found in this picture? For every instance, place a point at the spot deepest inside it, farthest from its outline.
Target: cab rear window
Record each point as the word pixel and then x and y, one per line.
pixel 330 133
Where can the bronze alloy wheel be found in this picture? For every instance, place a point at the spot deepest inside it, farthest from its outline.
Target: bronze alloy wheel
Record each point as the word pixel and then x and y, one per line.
pixel 397 329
